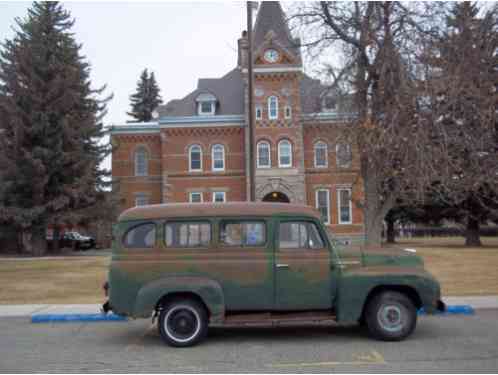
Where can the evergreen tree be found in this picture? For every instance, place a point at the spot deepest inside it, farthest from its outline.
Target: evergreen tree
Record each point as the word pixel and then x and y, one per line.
pixel 462 83
pixel 50 120
pixel 146 98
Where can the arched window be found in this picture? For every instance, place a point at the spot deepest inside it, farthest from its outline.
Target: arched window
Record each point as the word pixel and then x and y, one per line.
pixel 263 151
pixel 273 108
pixel 141 162
pixel 321 154
pixel 343 155
pixel 218 157
pixel 284 154
pixel 195 158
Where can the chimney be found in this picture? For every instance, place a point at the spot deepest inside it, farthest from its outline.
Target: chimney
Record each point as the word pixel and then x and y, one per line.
pixel 243 44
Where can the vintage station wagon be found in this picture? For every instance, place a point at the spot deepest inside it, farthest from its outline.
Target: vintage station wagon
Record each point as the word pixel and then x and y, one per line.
pixel 198 264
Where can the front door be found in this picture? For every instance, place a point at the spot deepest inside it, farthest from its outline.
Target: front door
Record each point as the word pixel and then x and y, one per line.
pixel 302 267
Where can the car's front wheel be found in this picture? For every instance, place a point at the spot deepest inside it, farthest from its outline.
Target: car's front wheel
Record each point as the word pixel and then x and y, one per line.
pixel 183 323
pixel 391 316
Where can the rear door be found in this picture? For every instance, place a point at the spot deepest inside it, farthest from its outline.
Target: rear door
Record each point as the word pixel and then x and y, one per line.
pixel 244 264
pixel 302 266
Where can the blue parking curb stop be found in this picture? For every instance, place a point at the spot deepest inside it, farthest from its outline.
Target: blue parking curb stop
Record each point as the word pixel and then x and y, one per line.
pixel 453 310
pixel 67 318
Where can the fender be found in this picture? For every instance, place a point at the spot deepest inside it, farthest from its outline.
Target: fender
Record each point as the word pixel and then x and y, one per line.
pixel 207 289
pixel 355 286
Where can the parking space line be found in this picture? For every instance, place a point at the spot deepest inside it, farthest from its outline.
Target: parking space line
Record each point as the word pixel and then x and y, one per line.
pixel 372 358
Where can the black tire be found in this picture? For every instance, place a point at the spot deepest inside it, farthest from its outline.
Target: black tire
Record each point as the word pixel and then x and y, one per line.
pixel 390 316
pixel 183 322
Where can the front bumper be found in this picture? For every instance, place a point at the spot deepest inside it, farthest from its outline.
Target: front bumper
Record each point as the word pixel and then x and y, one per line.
pixel 441 306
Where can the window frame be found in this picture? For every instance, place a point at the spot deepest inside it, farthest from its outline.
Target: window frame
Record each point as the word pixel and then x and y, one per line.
pixel 350 152
pixel 317 192
pixel 213 168
pixel 141 150
pixel 212 111
pixel 308 222
pixel 219 192
pixel 339 220
pixel 280 165
pixel 270 99
pixel 242 221
pixel 288 112
pixel 136 225
pixel 317 145
pixel 141 196
pixel 258 165
pixel 325 107
pixel 258 109
pixel 190 158
pixel 188 221
pixel 190 194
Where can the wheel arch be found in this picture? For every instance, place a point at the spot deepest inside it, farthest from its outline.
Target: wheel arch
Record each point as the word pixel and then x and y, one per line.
pixel 408 291
pixel 172 296
pixel 206 291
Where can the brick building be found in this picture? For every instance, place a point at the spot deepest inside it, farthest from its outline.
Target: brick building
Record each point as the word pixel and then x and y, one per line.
pixel 197 148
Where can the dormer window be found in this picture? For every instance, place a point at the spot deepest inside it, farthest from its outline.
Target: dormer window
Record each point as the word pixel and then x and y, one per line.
pixel 207 108
pixel 206 104
pixel 329 103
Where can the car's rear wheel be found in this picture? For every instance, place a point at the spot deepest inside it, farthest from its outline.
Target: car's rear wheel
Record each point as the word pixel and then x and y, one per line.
pixel 183 323
pixel 390 316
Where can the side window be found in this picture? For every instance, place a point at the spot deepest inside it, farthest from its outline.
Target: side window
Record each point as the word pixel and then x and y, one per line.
pixel 187 234
pixel 299 235
pixel 143 235
pixel 250 233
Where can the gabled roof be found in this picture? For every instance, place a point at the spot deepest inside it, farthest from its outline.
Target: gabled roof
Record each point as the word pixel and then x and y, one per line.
pixel 228 90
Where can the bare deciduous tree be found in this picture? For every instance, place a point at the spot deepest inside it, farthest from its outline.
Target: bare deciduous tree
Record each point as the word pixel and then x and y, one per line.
pixel 378 44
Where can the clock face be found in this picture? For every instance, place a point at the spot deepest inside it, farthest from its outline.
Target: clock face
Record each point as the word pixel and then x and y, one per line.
pixel 271 55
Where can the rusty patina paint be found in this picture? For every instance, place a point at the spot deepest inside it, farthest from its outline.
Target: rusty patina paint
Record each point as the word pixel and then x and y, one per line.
pixel 229 279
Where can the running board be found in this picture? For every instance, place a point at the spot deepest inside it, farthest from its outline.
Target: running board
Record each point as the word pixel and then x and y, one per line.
pixel 275 318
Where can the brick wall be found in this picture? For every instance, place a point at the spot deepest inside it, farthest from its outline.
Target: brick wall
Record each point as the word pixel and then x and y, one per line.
pixel 123 167
pixel 175 160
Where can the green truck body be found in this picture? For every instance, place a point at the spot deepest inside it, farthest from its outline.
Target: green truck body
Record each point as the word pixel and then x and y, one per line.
pixel 258 276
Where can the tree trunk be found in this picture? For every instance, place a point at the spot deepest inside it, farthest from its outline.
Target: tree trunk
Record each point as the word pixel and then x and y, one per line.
pixel 472 236
pixel 38 240
pixel 374 210
pixel 390 234
pixel 56 238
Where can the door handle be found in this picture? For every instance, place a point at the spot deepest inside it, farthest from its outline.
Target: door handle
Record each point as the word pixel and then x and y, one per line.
pixel 282 265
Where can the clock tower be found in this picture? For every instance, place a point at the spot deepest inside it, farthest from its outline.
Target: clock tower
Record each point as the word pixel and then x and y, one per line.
pixel 278 132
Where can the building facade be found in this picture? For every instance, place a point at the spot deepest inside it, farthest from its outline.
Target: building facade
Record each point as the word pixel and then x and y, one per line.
pixel 197 148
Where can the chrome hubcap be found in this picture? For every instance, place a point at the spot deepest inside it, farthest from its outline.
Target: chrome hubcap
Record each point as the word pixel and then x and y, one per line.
pixel 391 317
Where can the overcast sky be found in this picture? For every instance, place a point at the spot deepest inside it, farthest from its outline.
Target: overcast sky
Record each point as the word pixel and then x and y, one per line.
pixel 179 41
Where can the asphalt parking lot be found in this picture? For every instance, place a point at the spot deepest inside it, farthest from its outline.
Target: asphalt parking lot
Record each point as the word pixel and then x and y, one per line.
pixel 441 343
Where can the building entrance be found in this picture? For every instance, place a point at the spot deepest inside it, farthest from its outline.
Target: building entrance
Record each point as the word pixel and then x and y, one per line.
pixel 276 197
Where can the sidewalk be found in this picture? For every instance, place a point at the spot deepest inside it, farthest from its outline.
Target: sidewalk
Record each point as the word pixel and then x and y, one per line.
pixel 476 302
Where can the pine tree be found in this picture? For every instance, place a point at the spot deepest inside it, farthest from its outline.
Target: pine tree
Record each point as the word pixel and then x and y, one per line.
pixel 50 119
pixel 146 98
pixel 154 99
pixel 463 89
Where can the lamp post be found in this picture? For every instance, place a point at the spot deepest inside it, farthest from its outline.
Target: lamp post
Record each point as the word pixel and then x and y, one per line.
pixel 252 169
